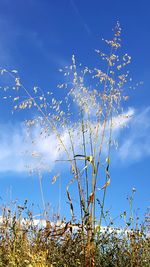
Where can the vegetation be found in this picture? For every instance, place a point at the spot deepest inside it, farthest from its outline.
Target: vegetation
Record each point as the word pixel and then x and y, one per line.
pixel 93 96
pixel 23 243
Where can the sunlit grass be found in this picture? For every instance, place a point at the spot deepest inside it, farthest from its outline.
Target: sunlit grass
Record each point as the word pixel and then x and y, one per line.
pixel 83 124
pixel 23 242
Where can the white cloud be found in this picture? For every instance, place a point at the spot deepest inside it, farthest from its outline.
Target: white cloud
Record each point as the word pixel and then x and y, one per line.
pixel 123 119
pixel 20 152
pixel 11 143
pixel 135 143
pixel 17 150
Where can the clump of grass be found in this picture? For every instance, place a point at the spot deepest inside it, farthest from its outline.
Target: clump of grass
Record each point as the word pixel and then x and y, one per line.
pixel 86 117
pixel 24 244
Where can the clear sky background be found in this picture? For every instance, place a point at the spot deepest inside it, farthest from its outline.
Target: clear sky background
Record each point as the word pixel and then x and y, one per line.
pixel 38 37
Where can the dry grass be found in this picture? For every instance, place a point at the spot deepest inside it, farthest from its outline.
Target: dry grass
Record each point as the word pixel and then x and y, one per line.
pixel 91 106
pixel 24 244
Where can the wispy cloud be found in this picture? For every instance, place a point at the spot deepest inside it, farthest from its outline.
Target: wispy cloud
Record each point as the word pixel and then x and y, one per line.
pixel 75 8
pixel 17 151
pixel 11 145
pixel 135 143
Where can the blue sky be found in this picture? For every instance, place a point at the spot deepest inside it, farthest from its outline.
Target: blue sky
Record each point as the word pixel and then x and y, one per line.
pixel 38 37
